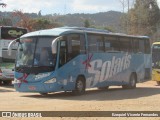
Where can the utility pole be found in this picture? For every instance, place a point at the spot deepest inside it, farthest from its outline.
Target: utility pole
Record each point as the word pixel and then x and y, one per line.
pixel 65 7
pixel 123 16
pixel 128 17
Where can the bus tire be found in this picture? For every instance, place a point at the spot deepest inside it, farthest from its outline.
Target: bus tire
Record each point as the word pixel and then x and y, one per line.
pixel 103 88
pixel 0 82
pixel 80 86
pixel 132 82
pixel 158 82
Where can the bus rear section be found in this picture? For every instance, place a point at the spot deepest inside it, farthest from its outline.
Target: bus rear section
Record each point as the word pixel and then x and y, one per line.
pixel 79 59
pixel 7 63
pixel 156 62
pixel 119 60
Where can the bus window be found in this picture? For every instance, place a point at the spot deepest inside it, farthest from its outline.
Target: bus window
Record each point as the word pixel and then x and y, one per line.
pixel 135 46
pixel 125 44
pixel 74 45
pixel 70 47
pixel 43 54
pixel 111 43
pixel 63 52
pixel 139 46
pixel 100 44
pixel 95 43
pixel 82 44
pixel 147 47
pixel 92 43
pixel 142 46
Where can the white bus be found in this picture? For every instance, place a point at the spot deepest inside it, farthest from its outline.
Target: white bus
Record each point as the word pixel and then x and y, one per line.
pixel 7 34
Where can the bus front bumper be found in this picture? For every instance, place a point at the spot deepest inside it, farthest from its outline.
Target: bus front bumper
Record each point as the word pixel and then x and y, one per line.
pixel 38 87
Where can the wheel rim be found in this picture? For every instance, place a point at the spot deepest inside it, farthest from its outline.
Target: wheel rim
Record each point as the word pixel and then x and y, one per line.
pixel 80 85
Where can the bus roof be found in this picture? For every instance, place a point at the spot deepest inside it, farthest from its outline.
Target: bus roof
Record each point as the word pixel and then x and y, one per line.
pixel 66 30
pixel 12 27
pixel 156 43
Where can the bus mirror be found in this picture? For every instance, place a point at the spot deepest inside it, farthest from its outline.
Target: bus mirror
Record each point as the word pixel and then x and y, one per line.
pixel 54 44
pixel 10 46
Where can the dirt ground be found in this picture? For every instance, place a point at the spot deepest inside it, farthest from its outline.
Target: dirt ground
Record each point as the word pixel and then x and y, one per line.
pixel 145 98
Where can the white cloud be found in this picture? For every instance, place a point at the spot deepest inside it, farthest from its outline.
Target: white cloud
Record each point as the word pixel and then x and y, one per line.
pixel 29 5
pixel 59 6
pixel 93 6
pixel 63 6
pixel 158 3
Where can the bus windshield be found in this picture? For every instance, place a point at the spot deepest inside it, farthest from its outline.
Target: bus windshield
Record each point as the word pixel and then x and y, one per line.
pixel 156 56
pixel 35 52
pixel 7 34
pixel 156 48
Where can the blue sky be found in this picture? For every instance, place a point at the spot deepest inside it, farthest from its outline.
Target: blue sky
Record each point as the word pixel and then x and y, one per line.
pixel 63 6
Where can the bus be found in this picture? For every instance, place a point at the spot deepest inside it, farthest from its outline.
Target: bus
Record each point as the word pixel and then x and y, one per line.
pixel 74 59
pixel 7 34
pixel 156 62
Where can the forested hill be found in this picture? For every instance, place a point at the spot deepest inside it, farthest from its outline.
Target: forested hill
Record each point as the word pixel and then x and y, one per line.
pixel 109 19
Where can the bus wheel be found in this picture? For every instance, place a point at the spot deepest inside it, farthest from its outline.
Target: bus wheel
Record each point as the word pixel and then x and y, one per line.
pixel 0 83
pixel 158 82
pixel 132 82
pixel 80 86
pixel 103 88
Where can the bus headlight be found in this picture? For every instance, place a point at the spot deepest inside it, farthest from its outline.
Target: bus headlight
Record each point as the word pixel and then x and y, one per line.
pixel 53 80
pixel 16 81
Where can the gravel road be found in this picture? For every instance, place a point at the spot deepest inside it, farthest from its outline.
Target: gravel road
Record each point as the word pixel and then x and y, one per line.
pixel 146 97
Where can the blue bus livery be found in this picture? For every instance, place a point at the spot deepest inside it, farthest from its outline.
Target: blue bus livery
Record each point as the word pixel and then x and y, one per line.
pixel 73 59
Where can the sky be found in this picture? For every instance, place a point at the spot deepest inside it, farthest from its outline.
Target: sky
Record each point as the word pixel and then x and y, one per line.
pixel 63 6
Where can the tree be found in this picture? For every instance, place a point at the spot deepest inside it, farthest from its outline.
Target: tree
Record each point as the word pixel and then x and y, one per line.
pixel 24 20
pixel 34 24
pixel 86 23
pixel 144 17
pixel 5 22
pixel 43 23
pixel 109 28
pixel 125 22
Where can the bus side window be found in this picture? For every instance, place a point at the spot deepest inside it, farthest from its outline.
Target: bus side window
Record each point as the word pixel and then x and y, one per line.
pixel 142 46
pixel 147 47
pixel 92 43
pixel 95 43
pixel 111 44
pixel 71 46
pixel 125 44
pixel 135 46
pixel 82 44
pixel 76 45
pixel 63 52
pixel 100 44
